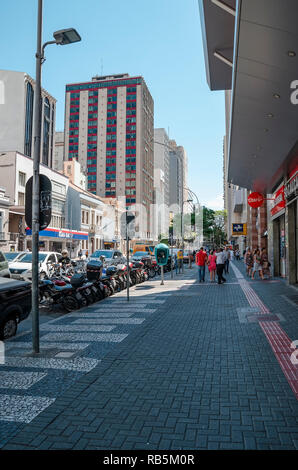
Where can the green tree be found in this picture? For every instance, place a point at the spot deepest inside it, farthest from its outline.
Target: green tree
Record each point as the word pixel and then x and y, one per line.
pixel 213 226
pixel 208 222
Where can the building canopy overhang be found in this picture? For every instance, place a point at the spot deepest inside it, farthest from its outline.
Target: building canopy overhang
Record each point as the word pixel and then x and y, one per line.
pixel 217 24
pixel 263 140
pixel 263 129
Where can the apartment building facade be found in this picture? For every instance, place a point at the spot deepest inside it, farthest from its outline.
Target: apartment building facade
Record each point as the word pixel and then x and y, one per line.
pixel 16 117
pixel 161 183
pixel 178 174
pixel 235 197
pixel 109 130
pixel 58 160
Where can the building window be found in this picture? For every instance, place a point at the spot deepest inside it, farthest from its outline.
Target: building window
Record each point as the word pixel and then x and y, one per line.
pixel 29 120
pixel 46 132
pixel 21 199
pixel 83 217
pixel 22 178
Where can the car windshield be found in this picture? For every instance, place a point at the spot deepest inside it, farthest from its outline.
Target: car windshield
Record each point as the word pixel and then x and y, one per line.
pixel 28 258
pixel 11 255
pixel 106 253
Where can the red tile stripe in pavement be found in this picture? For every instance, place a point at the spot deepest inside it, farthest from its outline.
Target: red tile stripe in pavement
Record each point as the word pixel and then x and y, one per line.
pixel 277 338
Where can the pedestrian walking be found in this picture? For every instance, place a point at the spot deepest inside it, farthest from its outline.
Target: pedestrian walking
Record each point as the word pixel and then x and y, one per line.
pixel 80 254
pixel 220 264
pixel 201 259
pixel 227 260
pixel 212 265
pixel 257 267
pixel 237 255
pixel 180 259
pixel 265 263
pixel 176 263
pixel 249 261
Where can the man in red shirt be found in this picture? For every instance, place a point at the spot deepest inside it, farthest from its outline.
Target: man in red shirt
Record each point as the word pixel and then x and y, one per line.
pixel 201 259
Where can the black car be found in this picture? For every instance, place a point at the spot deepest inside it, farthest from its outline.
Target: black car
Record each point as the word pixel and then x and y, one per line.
pixel 143 256
pixel 15 305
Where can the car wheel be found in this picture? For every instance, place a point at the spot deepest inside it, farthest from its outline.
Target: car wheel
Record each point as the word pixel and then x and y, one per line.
pixel 70 303
pixel 9 327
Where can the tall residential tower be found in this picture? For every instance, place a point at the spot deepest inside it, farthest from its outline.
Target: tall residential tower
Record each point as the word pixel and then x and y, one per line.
pixel 109 130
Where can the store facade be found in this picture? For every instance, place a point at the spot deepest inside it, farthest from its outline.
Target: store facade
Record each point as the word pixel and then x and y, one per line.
pixel 277 241
pixel 291 222
pixel 52 239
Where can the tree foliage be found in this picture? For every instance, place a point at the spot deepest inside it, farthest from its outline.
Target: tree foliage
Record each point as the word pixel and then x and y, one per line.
pixel 213 226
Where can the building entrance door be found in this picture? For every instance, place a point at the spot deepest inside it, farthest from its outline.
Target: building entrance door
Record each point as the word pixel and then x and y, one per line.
pixel 279 242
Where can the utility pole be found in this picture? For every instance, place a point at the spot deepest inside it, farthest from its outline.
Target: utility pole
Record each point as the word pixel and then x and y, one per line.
pixel 128 219
pixel 61 37
pixel 35 191
pixel 182 235
pixel 127 261
pixel 171 256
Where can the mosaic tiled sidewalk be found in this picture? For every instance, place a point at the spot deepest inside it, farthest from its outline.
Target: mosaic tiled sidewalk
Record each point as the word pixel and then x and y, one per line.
pixel 71 346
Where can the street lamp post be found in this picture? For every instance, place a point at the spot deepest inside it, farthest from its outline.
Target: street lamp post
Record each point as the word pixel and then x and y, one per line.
pixel 182 231
pixel 61 37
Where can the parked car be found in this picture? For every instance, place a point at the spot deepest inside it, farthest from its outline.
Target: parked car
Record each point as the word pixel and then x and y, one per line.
pixel 22 269
pixel 143 256
pixel 186 255
pixel 110 256
pixel 15 302
pixel 143 247
pixel 4 269
pixel 13 256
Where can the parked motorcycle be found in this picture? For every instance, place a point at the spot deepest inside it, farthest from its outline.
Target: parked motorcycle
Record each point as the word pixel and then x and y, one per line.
pixel 58 293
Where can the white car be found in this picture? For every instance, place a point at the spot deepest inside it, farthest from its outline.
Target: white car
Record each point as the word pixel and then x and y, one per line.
pixel 14 256
pixel 22 269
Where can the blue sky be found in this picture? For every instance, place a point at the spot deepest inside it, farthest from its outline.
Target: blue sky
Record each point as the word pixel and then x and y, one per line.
pixel 158 39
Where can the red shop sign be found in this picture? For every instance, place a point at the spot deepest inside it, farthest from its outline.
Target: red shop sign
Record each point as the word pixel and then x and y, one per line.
pixel 255 199
pixel 279 201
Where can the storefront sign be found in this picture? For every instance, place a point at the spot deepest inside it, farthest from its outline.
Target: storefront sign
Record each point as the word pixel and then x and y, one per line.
pixel 62 233
pixel 291 186
pixel 279 201
pixel 238 229
pixel 255 199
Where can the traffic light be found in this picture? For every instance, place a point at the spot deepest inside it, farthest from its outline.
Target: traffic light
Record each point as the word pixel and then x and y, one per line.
pixel 161 253
pixel 45 202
